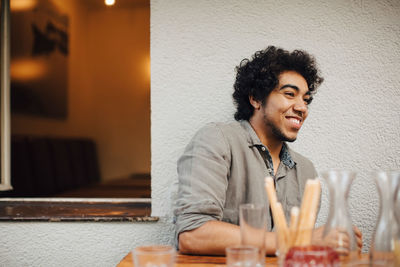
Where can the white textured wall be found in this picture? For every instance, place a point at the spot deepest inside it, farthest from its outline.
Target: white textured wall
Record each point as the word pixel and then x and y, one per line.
pixel 354 121
pixel 73 243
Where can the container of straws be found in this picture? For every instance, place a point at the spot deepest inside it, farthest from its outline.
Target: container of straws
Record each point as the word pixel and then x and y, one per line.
pixel 294 240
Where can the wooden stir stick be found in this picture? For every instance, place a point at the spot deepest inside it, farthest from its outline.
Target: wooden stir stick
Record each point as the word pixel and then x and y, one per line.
pixel 302 220
pixel 277 212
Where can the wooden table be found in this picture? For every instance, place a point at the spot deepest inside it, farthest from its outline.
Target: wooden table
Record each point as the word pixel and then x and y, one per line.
pixel 209 261
pixel 196 261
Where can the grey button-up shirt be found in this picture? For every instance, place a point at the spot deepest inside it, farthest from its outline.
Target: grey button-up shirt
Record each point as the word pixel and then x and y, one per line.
pixel 223 166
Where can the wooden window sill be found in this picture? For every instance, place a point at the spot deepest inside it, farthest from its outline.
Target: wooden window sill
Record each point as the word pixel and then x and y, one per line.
pixel 76 209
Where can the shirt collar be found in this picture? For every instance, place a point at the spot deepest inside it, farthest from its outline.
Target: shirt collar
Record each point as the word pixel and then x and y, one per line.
pixel 252 137
pixel 253 140
pixel 285 156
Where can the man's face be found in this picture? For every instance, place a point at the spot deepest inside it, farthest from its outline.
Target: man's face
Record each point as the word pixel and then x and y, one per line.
pixel 285 108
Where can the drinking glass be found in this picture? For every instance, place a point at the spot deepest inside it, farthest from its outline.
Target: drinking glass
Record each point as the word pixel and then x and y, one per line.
pixel 253 224
pixel 242 256
pixel 154 256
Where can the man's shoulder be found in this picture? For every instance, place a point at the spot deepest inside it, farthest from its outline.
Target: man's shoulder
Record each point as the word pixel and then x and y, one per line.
pixel 222 134
pixel 223 125
pixel 300 159
pixel 302 162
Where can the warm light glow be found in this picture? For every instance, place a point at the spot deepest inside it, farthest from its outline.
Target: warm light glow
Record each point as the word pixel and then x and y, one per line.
pixel 22 5
pixel 27 69
pixel 109 2
pixel 148 67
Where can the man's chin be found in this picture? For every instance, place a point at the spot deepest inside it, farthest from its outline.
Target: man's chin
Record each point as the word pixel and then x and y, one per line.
pixel 290 140
pixel 280 135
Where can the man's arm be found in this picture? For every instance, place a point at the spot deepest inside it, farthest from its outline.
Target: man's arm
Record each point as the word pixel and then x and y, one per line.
pixel 203 179
pixel 214 236
pixel 210 238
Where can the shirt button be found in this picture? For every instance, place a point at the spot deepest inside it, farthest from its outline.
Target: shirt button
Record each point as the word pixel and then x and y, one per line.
pixel 263 148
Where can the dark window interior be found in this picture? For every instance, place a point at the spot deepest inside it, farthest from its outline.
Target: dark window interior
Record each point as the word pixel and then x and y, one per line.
pixel 80 99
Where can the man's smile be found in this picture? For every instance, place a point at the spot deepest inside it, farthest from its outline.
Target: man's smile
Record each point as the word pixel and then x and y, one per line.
pixel 294 122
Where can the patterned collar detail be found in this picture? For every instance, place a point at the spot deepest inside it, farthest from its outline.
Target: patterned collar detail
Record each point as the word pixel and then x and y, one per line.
pixel 285 156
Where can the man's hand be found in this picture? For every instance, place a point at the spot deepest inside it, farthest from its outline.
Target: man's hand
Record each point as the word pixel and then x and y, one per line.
pixel 337 239
pixel 358 234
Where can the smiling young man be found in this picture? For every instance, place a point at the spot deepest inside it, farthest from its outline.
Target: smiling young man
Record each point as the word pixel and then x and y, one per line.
pixel 280 117
pixel 224 165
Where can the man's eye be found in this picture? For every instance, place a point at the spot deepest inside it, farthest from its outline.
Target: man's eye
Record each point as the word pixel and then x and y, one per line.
pixel 289 94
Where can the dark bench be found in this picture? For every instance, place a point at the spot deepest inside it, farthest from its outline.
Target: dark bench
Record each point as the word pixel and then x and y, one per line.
pixel 46 166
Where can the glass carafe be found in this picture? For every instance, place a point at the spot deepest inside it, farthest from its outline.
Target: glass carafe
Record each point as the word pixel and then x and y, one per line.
pixel 338 232
pixel 385 247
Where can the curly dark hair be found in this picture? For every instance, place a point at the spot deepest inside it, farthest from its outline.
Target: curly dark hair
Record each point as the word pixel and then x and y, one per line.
pixel 259 76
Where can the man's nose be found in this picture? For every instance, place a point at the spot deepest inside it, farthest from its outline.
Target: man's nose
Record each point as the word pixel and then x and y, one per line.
pixel 300 106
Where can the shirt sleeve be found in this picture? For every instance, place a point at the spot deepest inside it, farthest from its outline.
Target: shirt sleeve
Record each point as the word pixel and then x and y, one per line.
pixel 203 172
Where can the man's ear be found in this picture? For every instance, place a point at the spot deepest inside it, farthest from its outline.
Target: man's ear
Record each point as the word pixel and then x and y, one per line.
pixel 255 103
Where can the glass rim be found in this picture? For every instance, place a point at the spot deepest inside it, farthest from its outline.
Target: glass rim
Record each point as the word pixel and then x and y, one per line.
pixel 154 249
pixel 245 249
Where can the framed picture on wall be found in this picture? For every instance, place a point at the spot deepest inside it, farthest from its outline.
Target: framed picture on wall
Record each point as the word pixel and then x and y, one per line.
pixel 39 60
